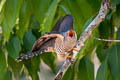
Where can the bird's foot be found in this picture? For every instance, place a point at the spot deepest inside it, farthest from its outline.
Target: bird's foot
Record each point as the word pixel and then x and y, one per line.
pixel 75 49
pixel 72 59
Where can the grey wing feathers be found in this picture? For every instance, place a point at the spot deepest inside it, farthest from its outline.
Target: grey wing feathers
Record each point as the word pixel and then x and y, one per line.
pixel 64 24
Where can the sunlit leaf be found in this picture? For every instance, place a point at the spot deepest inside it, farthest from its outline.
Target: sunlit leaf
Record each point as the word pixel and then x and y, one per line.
pixel 2 11
pixel 116 16
pixel 24 18
pixel 5 29
pixel 11 12
pixel 48 20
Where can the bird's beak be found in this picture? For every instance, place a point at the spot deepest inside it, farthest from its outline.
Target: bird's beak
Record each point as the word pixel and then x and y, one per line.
pixel 71 33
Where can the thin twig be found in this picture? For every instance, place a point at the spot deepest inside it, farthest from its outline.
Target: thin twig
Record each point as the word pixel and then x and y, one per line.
pixel 88 31
pixel 107 40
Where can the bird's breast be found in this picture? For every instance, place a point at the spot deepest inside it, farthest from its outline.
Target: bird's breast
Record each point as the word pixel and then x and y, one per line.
pixel 59 46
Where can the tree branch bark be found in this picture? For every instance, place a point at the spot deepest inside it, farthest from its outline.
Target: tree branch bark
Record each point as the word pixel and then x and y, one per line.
pixel 87 33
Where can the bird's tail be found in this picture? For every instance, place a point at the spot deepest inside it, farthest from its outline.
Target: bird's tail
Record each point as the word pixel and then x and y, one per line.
pixel 28 55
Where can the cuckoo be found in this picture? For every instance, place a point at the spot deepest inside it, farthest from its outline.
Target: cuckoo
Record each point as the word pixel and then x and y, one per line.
pixel 60 40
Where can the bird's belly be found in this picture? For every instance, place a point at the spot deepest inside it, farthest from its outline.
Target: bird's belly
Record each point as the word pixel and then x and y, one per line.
pixel 68 48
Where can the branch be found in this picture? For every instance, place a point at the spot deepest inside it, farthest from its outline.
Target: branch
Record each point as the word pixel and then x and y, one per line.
pixel 107 40
pixel 87 33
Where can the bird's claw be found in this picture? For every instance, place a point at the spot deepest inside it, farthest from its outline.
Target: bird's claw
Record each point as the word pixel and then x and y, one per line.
pixel 71 58
pixel 75 49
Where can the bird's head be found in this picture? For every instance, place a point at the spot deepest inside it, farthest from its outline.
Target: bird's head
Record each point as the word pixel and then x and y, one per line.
pixel 70 38
pixel 70 35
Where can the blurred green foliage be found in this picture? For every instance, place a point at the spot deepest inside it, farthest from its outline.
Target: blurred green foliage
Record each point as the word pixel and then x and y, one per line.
pixel 24 21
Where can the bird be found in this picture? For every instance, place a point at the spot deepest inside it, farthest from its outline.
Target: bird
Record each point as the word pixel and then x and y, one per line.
pixel 60 40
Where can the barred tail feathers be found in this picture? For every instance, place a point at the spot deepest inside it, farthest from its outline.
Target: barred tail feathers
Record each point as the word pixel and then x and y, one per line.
pixel 28 55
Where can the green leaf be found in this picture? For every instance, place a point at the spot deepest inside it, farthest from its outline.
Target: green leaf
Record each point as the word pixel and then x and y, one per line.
pixel 1 41
pixel 116 16
pixel 13 47
pixel 116 2
pixel 118 50
pixel 50 60
pixel 15 67
pixel 8 75
pixel 5 29
pixel 69 75
pixel 83 5
pixel 11 12
pixel 3 65
pixel 2 11
pixel 81 10
pixel 33 67
pixel 24 18
pixel 32 64
pixel 95 5
pixel 75 11
pixel 113 62
pixel 88 22
pixel 48 20
pixel 40 7
pixel 106 31
pixel 85 69
pixel 100 53
pixel 102 71
pixel 35 25
pixel 28 40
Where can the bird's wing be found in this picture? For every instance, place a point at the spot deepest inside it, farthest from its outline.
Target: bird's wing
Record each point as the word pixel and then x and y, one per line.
pixel 64 24
pixel 46 42
pixel 57 25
